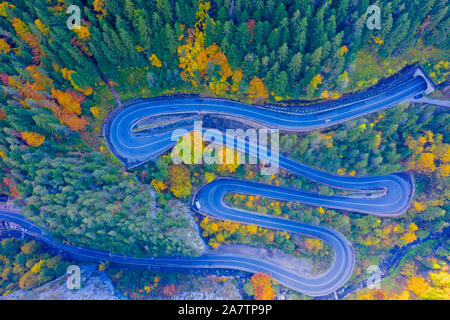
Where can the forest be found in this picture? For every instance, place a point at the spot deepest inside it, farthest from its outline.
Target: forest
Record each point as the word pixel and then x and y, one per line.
pixel 58 84
pixel 26 265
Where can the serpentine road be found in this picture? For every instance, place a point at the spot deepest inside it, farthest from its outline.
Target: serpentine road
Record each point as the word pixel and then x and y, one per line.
pixel 141 130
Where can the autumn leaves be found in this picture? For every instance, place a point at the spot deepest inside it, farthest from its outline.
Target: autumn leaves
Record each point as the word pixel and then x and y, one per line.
pixel 32 139
pixel 34 88
pixel 430 154
pixel 38 91
pixel 208 67
pixel 262 287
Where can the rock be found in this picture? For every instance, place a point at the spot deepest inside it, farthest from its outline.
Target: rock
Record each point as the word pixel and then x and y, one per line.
pixel 191 234
pixel 209 289
pixel 95 285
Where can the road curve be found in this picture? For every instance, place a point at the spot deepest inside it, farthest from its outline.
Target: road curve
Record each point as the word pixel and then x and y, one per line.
pixel 159 117
pixel 134 148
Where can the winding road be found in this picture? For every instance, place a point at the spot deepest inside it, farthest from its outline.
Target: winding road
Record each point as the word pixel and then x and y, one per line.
pixel 141 130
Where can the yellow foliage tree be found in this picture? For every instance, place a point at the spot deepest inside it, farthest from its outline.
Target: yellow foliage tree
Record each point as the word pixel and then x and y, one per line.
pixel 4 6
pixel 210 176
pixel 179 181
pixel 95 111
pixel 378 40
pixel 198 62
pixel 419 206
pixel 418 285
pixel 158 185
pixel 155 61
pixel 409 237
pixel 33 139
pixel 257 91
pixel 237 77
pixel 82 32
pixel 252 229
pixel 425 164
pixel 4 46
pixel 313 245
pixel 102 267
pixel 99 6
pixel 430 154
pixel 20 27
pixel 444 169
pixel 42 27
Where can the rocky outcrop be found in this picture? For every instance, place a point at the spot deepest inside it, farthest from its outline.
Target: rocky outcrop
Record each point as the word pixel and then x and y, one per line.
pixel 95 285
pixel 190 234
pixel 209 289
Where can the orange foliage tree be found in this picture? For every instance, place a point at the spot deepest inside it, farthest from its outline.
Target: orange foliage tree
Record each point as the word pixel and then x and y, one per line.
pixel 33 139
pixel 66 106
pixel 69 101
pixel 73 121
pixel 11 186
pixel 24 33
pixel 262 285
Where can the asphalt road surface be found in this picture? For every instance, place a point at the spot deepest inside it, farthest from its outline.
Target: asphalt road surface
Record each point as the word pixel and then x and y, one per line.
pixel 142 130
